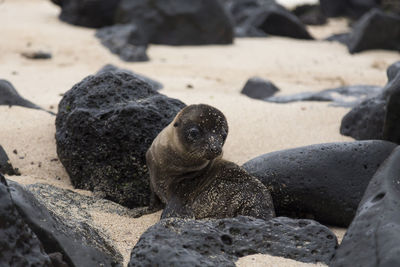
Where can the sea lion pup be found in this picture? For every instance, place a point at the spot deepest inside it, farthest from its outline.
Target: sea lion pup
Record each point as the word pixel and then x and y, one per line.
pixel 188 174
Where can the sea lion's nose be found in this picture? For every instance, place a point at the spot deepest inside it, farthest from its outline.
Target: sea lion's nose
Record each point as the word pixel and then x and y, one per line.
pixel 216 149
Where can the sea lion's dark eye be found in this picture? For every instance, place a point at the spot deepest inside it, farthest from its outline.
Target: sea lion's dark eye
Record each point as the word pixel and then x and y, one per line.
pixel 224 134
pixel 194 132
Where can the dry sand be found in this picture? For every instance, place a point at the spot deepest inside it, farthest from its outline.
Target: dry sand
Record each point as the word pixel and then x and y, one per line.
pixel 217 74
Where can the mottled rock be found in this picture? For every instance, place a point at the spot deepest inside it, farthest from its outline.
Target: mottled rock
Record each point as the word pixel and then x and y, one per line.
pixel 127 41
pixel 393 70
pixel 375 30
pixel 104 127
pixel 79 244
pixel 346 96
pixel 373 238
pixel 325 181
pixel 153 83
pixel 310 14
pixel 9 96
pixel 19 246
pixel 351 8
pixel 259 88
pixel 87 13
pixel 179 242
pixel 254 18
pixel 5 164
pixel 178 22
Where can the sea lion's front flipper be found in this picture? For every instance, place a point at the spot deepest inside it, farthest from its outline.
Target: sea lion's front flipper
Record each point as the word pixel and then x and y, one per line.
pixel 176 208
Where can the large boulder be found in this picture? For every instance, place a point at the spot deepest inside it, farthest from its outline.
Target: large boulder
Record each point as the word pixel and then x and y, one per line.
pixel 104 126
pixel 325 181
pixel 373 238
pixel 351 8
pixel 5 164
pixel 393 70
pixel 255 18
pixel 178 22
pixel 19 246
pixel 78 243
pixel 126 41
pixel 375 30
pixel 391 127
pixel 87 13
pixel 367 120
pixel 180 242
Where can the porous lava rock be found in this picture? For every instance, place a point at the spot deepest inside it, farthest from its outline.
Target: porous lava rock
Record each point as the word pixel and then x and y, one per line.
pixel 104 126
pixel 183 242
pixel 324 181
pixel 373 238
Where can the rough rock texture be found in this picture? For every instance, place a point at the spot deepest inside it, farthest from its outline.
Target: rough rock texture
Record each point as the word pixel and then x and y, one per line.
pixel 375 30
pixel 325 181
pixel 391 127
pixel 87 13
pixel 5 164
pixel 255 18
pixel 178 22
pixel 19 246
pixel 351 8
pixel 310 14
pixel 126 41
pixel 259 88
pixel 154 84
pixel 346 96
pixel 179 242
pixel 393 70
pixel 79 244
pixel 104 126
pixel 9 96
pixel 373 238
pixel 367 120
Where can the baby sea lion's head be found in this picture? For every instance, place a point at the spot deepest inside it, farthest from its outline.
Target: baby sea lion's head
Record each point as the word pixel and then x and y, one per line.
pixel 202 131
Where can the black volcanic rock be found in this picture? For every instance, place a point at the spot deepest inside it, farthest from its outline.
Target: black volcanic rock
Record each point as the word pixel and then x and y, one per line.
pixel 367 120
pixel 104 126
pixel 153 83
pixel 87 13
pixel 375 30
pixel 19 246
pixel 373 238
pixel 255 18
pixel 180 242
pixel 5 164
pixel 346 96
pixel 127 41
pixel 351 8
pixel 178 22
pixel 393 70
pixel 325 181
pixel 259 88
pixel 391 128
pixel 310 14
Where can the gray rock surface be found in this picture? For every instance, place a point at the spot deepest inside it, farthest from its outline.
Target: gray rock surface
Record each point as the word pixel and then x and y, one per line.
pixel 259 88
pixel 325 181
pixel 178 22
pixel 87 13
pixel 153 83
pixel 126 41
pixel 104 126
pixel 79 243
pixel 393 70
pixel 5 164
pixel 373 238
pixel 346 96
pixel 19 246
pixel 180 242
pixel 351 8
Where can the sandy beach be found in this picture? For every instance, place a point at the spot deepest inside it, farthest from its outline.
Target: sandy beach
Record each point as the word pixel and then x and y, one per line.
pixel 216 75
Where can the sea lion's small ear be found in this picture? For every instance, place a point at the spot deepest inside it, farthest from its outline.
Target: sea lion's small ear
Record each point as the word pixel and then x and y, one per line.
pixel 176 124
